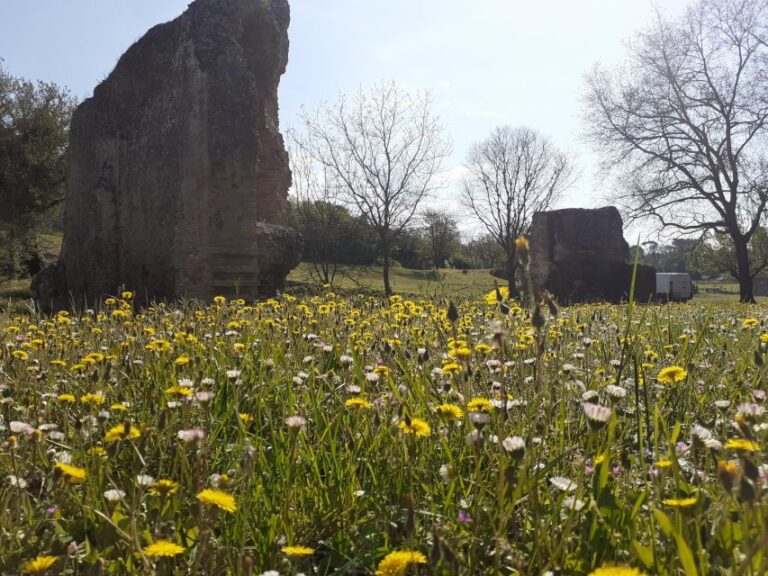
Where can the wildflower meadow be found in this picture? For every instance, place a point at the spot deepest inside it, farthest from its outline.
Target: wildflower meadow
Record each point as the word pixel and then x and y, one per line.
pixel 351 434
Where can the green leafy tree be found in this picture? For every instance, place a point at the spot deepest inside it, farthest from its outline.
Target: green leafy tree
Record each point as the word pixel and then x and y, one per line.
pixel 332 236
pixel 441 233
pixel 34 135
pixel 718 253
pixel 484 252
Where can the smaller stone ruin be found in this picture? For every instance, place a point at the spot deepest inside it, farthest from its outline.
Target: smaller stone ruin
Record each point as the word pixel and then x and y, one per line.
pixel 580 255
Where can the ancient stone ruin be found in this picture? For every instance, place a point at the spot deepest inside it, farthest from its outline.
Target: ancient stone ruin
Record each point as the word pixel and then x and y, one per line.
pixel 178 173
pixel 580 255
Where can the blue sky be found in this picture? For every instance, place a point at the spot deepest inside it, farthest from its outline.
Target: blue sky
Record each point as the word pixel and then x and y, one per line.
pixel 487 62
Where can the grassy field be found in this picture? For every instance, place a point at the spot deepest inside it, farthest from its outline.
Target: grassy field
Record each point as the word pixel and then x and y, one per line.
pixel 356 435
pixel 453 283
pixel 444 282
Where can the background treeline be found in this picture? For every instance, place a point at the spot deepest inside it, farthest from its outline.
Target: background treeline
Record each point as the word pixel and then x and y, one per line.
pixel 335 238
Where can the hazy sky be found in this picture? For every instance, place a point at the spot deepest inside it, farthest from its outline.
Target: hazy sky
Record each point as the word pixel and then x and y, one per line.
pixel 487 62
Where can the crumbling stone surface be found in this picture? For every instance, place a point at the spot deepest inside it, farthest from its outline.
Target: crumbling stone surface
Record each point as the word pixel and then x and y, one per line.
pixel 580 255
pixel 178 173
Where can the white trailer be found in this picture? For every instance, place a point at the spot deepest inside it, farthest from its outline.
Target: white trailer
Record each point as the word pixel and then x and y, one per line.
pixel 673 286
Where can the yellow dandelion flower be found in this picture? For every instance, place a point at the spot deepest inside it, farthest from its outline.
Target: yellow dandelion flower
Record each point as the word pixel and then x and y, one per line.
pixel 181 361
pixel 599 459
pixel 462 353
pixel 493 298
pixel 358 402
pixel 680 502
pixel 416 426
pixel 159 346
pixel 20 355
pixel 480 405
pixel 164 488
pixel 219 300
pixel 742 444
pixel 451 368
pixel 222 481
pixel 483 348
pixel 297 550
pixel 39 565
pixel 122 432
pixel 95 399
pixel 69 398
pixel 36 344
pixel 616 571
pixel 72 474
pixel 727 472
pixel 749 322
pixel 218 498
pixel 663 464
pixel 97 451
pixel 650 354
pixel 672 374
pixel 179 391
pixel 449 411
pixel 395 563
pixel 163 548
pixel 93 358
pixel 245 418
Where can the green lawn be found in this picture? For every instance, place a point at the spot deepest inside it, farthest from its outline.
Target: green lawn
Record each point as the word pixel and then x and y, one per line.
pixel 444 282
pixel 719 292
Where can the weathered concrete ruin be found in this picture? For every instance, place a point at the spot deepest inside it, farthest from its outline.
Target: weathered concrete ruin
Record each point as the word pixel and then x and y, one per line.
pixel 580 255
pixel 178 173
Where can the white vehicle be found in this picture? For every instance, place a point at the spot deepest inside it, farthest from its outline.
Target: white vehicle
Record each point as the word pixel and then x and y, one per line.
pixel 673 286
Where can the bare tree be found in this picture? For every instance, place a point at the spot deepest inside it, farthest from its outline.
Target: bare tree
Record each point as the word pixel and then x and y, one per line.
pixel 512 174
pixel 442 235
pixel 683 123
pixel 384 148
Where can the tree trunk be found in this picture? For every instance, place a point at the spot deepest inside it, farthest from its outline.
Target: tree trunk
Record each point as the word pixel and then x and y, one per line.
pixel 745 274
pixel 509 270
pixel 13 253
pixel 387 287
